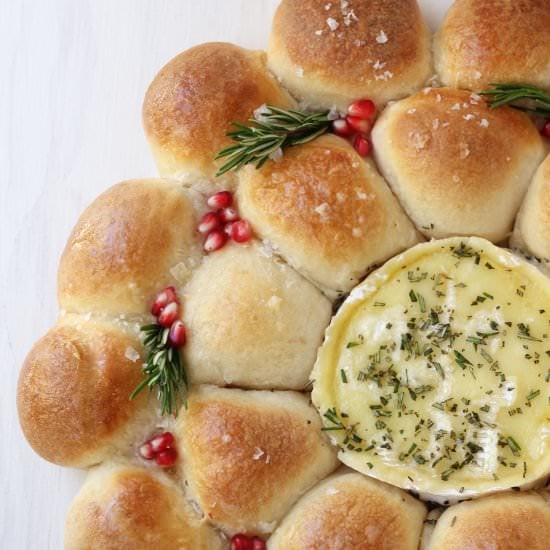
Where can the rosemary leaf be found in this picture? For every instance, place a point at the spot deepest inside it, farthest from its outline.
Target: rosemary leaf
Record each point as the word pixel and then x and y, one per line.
pixel 163 370
pixel 520 96
pixel 278 129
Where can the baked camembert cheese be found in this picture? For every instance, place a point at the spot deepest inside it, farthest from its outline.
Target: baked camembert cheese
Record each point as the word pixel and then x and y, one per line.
pixel 435 373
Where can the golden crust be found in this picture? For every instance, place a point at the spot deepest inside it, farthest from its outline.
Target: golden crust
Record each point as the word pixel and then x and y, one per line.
pixel 252 322
pixel 494 41
pixel 349 510
pixel 124 506
pixel 124 245
pixel 507 521
pixel 249 455
pixel 326 210
pixel 532 231
pixel 73 392
pixel 193 100
pixel 457 166
pixel 378 49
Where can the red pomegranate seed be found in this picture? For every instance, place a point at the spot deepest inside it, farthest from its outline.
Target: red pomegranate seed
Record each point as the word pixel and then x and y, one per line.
pixel 161 442
pixel 359 124
pixel 168 315
pixel 364 108
pixel 216 239
pixel 240 231
pixel 146 451
pixel 222 199
pixel 241 542
pixel 177 335
pixel 209 222
pixel 167 457
pixel 229 214
pixel 258 543
pixel 362 145
pixel 546 130
pixel 228 228
pixel 341 127
pixel 167 296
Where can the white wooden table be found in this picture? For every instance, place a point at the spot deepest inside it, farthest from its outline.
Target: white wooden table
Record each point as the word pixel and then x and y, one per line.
pixel 72 78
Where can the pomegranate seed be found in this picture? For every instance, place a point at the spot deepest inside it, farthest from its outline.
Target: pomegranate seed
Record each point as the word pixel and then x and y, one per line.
pixel 546 130
pixel 167 296
pixel 161 442
pixel 362 145
pixel 359 124
pixel 240 231
pixel 209 222
pixel 241 542
pixel 168 315
pixel 166 458
pixel 222 199
pixel 229 214
pixel 146 451
pixel 177 335
pixel 258 543
pixel 364 108
pixel 216 239
pixel 341 127
pixel 228 228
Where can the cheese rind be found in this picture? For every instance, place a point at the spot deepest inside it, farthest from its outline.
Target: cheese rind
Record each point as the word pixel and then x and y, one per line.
pixel 435 373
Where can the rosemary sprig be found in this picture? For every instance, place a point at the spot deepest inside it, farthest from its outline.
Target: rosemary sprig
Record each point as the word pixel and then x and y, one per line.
pixel 276 129
pixel 163 370
pixel 520 96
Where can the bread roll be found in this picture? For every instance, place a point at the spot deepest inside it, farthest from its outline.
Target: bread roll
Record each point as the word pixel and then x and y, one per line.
pixel 124 247
pixel 248 456
pixel 327 211
pixel 333 53
pixel 480 43
pixel 457 166
pixel 349 510
pixel 532 230
pixel 509 521
pixel 73 393
pixel 122 506
pixel 192 101
pixel 253 322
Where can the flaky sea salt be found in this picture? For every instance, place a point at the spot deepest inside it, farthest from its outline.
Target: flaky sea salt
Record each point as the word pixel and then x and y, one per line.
pixel 258 453
pixel 332 23
pixel 382 37
pixel 131 354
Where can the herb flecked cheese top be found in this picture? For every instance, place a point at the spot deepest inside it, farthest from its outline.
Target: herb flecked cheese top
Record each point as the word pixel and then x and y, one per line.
pixel 435 373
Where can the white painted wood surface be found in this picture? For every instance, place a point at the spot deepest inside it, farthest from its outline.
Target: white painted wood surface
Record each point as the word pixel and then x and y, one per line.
pixel 72 77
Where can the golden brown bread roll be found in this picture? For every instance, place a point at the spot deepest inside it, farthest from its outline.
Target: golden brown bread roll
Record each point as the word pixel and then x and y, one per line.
pixel 122 506
pixel 480 43
pixel 193 100
pixel 125 246
pixel 333 53
pixel 349 510
pixel 73 393
pixel 532 230
pixel 327 211
pixel 253 322
pixel 248 456
pixel 457 166
pixel 508 521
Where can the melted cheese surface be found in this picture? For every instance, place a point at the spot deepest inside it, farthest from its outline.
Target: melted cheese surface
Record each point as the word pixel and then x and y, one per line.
pixel 435 373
